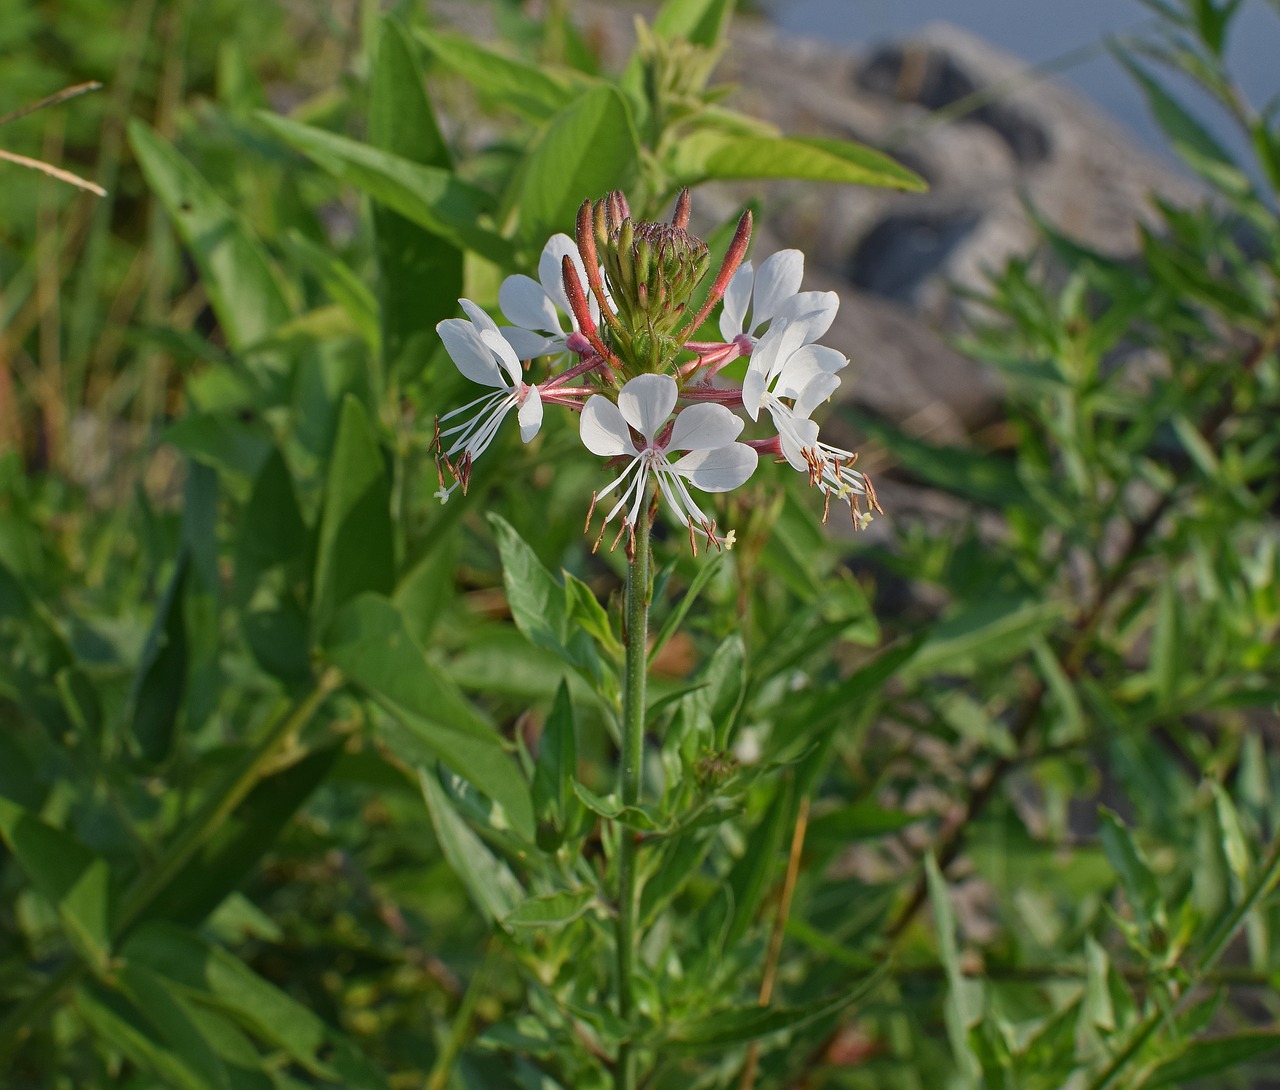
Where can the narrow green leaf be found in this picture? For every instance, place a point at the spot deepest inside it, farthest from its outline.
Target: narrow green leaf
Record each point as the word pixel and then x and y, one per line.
pixel 161 679
pixel 355 549
pixel 740 1026
pixel 551 909
pixel 244 289
pixel 584 611
pixel 749 878
pixel 964 1005
pixel 1190 139
pixel 234 850
pixel 702 22
pixel 431 197
pixel 1127 861
pixel 1235 845
pixel 419 271
pixel 339 283
pixel 493 888
pixel 640 818
pixel 1217 1056
pixel 589 148
pixel 534 91
pixel 992 629
pixel 555 771
pixel 74 880
pixel 221 441
pixel 715 155
pixel 706 572
pixel 211 976
pixel 370 643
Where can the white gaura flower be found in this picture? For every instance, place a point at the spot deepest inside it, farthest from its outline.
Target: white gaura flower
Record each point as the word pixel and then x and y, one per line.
pixel 772 294
pixel 484 356
pixel 535 306
pixel 715 462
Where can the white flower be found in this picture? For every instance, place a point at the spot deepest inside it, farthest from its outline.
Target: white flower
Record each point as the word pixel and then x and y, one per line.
pixel 715 462
pixel 481 353
pixel 772 294
pixel 535 306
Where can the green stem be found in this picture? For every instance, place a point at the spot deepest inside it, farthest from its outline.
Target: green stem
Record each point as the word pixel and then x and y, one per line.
pixel 633 707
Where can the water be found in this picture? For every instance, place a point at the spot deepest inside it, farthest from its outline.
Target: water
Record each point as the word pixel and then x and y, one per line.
pixel 1044 32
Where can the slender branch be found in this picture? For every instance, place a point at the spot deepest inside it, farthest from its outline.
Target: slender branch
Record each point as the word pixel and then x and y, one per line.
pixel 633 722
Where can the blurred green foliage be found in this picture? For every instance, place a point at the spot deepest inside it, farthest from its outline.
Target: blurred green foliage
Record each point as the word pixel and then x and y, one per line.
pixel 304 779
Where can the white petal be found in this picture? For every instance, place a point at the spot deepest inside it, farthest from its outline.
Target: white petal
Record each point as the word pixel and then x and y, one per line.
pixel 795 435
pixel 478 317
pixel 646 401
pixel 525 304
pixel 776 282
pixel 551 269
pixel 603 429
pixel 529 345
pixel 466 349
pixel 736 297
pixel 753 388
pixel 812 311
pixel 530 414
pixel 718 470
pixel 804 365
pixel 704 427
pixel 820 388
pixel 775 348
pixel 494 341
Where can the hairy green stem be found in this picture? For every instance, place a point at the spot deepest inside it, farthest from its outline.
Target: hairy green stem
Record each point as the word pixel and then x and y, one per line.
pixel 633 706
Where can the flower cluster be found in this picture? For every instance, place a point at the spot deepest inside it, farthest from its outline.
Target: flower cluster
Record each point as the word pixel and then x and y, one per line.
pixel 612 312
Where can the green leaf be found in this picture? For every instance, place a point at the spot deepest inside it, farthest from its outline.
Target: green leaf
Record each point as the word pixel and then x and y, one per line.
pixel 208 974
pixel 713 155
pixel 750 875
pixel 1127 860
pixel 240 841
pixel 355 550
pixel 584 611
pixel 1217 1056
pixel 964 1005
pixel 370 643
pixel 74 880
pixel 589 148
pixel 1190 139
pixel 419 271
pixel 221 441
pixel 339 282
pixel 990 630
pixel 1235 845
pixel 432 197
pixel 640 818
pixel 701 22
pixel 555 805
pixel 740 1026
pixel 161 679
pixel 494 889
pixel 534 91
pixel 244 288
pixel 706 572
pixel 551 909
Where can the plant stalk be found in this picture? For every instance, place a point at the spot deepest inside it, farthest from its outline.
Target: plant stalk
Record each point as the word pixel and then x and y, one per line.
pixel 633 723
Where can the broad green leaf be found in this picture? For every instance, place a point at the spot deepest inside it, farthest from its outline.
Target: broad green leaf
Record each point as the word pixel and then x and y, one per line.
pixel 211 976
pixel 355 549
pixel 535 91
pixel 240 841
pixel 589 148
pixel 244 287
pixel 419 271
pixel 555 805
pixel 712 155
pixel 494 889
pixel 1127 861
pixel 431 197
pixel 1214 1057
pixel 727 1029
pixel 1190 139
pixel 551 909
pixel 370 643
pixel 74 880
